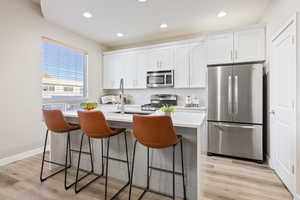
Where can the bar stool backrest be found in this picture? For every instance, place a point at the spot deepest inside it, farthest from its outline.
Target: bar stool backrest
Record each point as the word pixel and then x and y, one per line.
pixel 94 124
pixel 154 131
pixel 55 121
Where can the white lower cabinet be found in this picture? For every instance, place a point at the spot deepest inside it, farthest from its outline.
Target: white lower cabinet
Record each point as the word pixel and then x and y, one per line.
pixel 190 66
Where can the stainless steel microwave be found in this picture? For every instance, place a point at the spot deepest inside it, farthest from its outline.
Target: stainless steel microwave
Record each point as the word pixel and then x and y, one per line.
pixel 160 79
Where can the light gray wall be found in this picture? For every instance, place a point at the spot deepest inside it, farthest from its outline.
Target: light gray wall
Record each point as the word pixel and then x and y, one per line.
pixel 21 29
pixel 277 14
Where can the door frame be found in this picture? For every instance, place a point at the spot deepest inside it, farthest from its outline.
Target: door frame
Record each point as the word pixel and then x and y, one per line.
pixel 272 162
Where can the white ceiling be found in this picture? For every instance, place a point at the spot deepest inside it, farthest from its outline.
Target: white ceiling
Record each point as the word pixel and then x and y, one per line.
pixel 140 22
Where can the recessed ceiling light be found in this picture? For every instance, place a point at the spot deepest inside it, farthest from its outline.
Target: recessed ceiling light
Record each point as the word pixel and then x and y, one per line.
pixel 87 15
pixel 120 34
pixel 163 25
pixel 222 14
pixel 142 1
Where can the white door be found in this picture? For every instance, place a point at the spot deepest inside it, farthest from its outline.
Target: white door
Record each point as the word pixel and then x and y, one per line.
pixel 198 66
pixel 283 100
pixel 220 49
pixel 182 68
pixel 249 45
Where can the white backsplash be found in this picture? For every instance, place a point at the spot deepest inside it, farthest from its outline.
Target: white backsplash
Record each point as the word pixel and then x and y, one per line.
pixel 142 96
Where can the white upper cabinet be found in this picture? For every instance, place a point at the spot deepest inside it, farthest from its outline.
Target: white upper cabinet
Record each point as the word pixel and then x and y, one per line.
pixel 198 66
pixel 182 62
pixel 161 59
pixel 128 69
pixel 249 45
pixel 237 47
pixel 220 49
pixel 190 66
pixel 140 73
pixel 129 66
pixel 111 72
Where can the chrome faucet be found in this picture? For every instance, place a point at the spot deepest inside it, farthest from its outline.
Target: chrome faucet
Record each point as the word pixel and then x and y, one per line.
pixel 122 100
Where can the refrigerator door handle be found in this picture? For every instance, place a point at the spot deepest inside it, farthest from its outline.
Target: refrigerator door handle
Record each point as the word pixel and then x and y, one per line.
pixel 236 94
pixel 221 125
pixel 229 95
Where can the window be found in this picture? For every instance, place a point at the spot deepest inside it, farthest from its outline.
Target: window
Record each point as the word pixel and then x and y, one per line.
pixel 64 71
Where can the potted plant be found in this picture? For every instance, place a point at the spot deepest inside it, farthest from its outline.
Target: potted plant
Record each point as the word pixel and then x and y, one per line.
pixel 168 109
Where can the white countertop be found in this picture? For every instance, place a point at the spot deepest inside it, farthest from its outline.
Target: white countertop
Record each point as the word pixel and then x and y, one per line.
pixel 180 119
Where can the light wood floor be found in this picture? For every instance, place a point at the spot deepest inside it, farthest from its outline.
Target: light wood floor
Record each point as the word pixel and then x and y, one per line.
pixel 225 179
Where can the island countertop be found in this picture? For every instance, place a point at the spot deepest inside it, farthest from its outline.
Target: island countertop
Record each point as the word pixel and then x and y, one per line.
pixel 180 119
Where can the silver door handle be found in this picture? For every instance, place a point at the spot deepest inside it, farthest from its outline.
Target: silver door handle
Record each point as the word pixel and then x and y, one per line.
pixel 236 94
pixel 233 126
pixel 229 95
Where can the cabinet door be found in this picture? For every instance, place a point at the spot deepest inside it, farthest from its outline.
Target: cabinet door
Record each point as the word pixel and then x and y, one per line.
pixel 106 72
pixel 249 45
pixel 166 58
pixel 110 71
pixel 128 70
pixel 161 59
pixel 141 66
pixel 182 69
pixel 198 66
pixel 220 49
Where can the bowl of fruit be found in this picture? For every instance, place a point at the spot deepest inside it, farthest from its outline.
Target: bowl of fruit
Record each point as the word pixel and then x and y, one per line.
pixel 88 105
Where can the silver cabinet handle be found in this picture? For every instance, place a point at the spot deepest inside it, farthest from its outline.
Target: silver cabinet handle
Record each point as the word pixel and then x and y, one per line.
pixel 229 95
pixel 272 112
pixel 236 54
pixel 231 55
pixel 236 94
pixel 233 126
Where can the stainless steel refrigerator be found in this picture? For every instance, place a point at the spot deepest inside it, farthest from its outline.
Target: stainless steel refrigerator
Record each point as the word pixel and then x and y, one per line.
pixel 235 110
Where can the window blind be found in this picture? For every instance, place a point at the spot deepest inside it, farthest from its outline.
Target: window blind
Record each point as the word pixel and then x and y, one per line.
pixel 64 71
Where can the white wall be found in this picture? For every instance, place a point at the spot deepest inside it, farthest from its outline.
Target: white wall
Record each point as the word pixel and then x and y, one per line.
pixel 22 27
pixel 279 12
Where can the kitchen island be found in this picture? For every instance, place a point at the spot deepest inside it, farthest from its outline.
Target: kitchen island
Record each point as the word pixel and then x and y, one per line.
pixel 190 125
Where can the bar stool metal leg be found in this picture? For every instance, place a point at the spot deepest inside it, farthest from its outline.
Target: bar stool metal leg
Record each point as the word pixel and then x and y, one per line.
pixel 88 173
pixel 132 168
pixel 68 152
pixel 127 158
pixel 106 173
pixel 91 154
pixel 173 172
pixel 102 155
pixel 42 179
pixel 182 167
pixel 148 168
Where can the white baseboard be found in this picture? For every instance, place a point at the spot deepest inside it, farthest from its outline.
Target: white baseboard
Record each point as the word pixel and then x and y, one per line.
pixel 20 156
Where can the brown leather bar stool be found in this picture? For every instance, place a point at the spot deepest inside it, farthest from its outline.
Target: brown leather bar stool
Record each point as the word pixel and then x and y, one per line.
pixel 56 123
pixel 156 132
pixel 94 125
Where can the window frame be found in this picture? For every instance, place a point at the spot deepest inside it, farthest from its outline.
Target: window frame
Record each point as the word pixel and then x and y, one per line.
pixel 66 99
